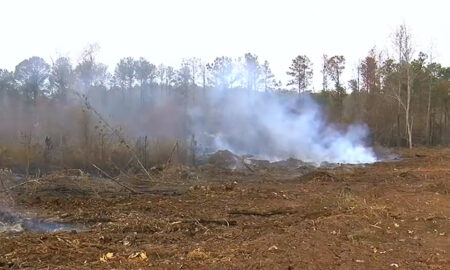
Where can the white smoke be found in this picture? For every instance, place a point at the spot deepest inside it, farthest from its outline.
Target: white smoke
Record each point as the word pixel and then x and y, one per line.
pixel 277 126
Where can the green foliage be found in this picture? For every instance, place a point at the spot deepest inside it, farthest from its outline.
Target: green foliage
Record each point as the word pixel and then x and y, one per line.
pixel 31 76
pixel 301 72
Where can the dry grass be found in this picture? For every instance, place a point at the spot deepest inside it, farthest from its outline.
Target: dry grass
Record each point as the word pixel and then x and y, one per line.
pixel 113 158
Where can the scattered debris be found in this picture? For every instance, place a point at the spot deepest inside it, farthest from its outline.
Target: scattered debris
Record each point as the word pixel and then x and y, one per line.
pixel 115 180
pixel 141 255
pixel 105 257
pixel 197 254
pixel 7 228
pixel 232 219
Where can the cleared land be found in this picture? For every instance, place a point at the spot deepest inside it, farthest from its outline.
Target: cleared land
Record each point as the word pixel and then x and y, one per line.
pixel 289 216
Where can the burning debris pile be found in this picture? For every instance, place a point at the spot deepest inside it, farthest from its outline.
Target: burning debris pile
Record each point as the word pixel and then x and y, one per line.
pixel 225 159
pixel 278 127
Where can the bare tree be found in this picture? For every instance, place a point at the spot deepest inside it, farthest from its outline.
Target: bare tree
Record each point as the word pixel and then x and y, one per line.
pixel 403 44
pixel 432 72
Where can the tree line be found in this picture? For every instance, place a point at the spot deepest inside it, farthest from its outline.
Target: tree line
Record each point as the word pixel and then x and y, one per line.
pixel 404 100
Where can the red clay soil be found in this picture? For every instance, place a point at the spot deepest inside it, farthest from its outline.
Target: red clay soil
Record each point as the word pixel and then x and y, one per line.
pixel 393 215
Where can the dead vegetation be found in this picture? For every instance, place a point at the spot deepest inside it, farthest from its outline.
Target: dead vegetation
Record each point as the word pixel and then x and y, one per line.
pixel 383 216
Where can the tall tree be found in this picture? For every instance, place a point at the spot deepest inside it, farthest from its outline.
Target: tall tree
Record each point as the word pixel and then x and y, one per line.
pixel 432 70
pixel 194 64
pixel 161 73
pixel 125 73
pixel 334 67
pixel 89 72
pixel 145 74
pixel 301 72
pixel 32 76
pixel 221 70
pixel 353 85
pixel 252 69
pixel 62 78
pixel 369 72
pixel 7 83
pixel 204 74
pixel 268 77
pixel 170 76
pixel 403 44
pixel 324 72
pixel 184 76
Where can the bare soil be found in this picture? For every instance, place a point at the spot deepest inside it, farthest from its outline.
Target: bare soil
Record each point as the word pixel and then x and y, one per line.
pixel 392 215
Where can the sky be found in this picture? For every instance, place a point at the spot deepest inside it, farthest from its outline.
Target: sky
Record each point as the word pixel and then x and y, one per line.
pixel 165 31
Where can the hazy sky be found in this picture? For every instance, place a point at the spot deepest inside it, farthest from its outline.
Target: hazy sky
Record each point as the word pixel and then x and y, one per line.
pixel 168 30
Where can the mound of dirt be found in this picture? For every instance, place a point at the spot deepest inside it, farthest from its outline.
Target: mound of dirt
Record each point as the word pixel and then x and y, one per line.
pixel 258 163
pixel 225 159
pixel 290 162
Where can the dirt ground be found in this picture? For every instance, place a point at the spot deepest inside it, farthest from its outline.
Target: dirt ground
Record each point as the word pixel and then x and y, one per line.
pixel 392 215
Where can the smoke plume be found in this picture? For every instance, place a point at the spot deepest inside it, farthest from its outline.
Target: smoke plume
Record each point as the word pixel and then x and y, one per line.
pixel 277 126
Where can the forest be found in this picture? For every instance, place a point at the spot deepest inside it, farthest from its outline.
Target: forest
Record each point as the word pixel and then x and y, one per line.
pixel 72 114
